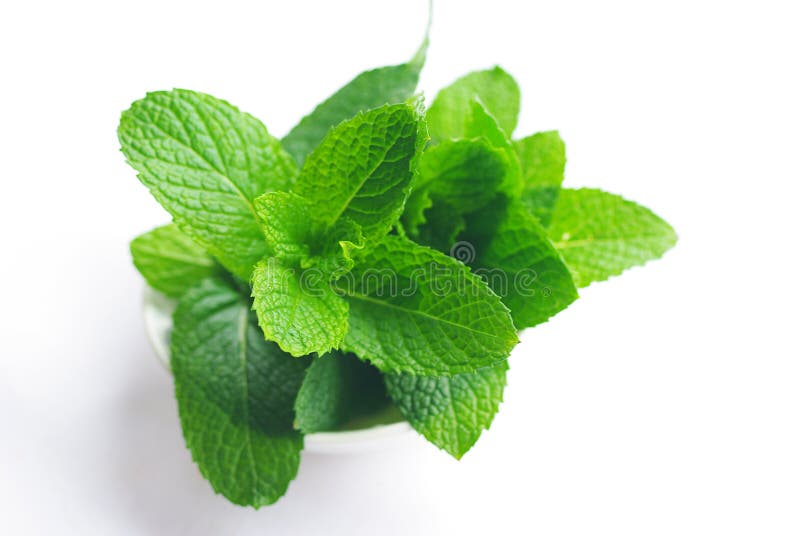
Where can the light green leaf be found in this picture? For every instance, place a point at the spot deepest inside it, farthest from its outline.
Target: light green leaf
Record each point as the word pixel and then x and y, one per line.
pixel 543 158
pixel 337 389
pixel 465 174
pixel 298 309
pixel 205 162
pixel 170 261
pixel 482 124
pixel 451 412
pixel 515 257
pixel 601 234
pixel 370 89
pixel 338 248
pixel 235 396
pixel 294 239
pixel 286 223
pixel 451 110
pixel 413 309
pixel 362 170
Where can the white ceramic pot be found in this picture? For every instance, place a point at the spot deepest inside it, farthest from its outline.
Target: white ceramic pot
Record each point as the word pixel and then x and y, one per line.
pixel 158 324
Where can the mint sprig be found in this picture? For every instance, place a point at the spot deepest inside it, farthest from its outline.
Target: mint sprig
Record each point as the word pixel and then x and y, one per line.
pixel 378 261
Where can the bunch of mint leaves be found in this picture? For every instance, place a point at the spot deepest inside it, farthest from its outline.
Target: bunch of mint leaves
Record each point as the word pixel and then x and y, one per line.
pixel 375 263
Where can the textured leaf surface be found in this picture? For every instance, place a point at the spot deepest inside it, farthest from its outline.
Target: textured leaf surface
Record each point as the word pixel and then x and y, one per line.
pixel 286 223
pixel 450 112
pixel 370 89
pixel 465 174
pixel 170 261
pixel 515 256
pixel 338 388
pixel 451 412
pixel 543 158
pixel 413 309
pixel 601 234
pixel 235 396
pixel 205 162
pixel 362 170
pixel 298 308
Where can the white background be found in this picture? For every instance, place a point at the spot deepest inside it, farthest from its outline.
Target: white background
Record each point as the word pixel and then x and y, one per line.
pixel 663 402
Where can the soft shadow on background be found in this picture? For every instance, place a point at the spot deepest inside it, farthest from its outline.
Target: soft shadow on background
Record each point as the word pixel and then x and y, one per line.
pixel 149 480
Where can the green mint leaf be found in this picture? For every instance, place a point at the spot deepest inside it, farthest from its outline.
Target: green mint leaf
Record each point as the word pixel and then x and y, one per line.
pixel 298 309
pixel 601 234
pixel 235 396
pixel 451 412
pixel 413 309
pixel 543 158
pixel 339 246
pixel 460 176
pixel 205 162
pixel 368 90
pixel 286 223
pixel 540 202
pixel 170 261
pixel 483 124
pixel 337 389
pixel 363 168
pixel 465 174
pixel 450 112
pixel 515 256
pixel 292 237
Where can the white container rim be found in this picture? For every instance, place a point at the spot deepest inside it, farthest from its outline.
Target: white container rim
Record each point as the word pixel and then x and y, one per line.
pixel 157 311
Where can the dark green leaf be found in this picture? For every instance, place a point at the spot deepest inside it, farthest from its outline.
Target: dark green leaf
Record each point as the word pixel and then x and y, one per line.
pixel 235 396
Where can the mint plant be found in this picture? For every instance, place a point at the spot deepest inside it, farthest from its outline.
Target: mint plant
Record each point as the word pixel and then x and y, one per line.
pixel 375 264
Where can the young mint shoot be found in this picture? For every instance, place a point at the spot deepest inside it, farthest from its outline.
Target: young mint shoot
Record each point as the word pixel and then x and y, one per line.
pixel 381 258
